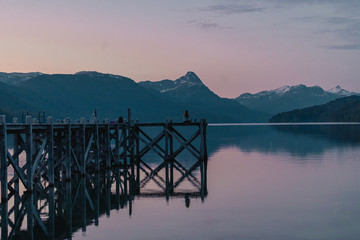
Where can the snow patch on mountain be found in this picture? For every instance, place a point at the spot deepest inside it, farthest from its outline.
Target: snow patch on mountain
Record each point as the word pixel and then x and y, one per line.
pixel 281 90
pixel 340 91
pixel 17 78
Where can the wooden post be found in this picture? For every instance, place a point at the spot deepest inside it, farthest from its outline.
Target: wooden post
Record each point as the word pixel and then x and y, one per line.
pixel 202 181
pixel 96 141
pixel 117 144
pixel 16 207
pixel 4 220
pixel 131 146
pixel 16 161
pixel 107 145
pixel 30 215
pixel 117 186
pixel 82 146
pixel 29 153
pixel 68 209
pixel 137 144
pixel 203 151
pixel 3 156
pixel 171 146
pixel 50 150
pixel 68 150
pixel 167 159
pixel 124 147
pixel 97 198
pixel 51 220
pixel 108 193
pixel 83 203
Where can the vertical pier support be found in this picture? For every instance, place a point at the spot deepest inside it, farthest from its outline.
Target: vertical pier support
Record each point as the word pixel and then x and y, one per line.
pixel 137 146
pixel 124 154
pixel 167 156
pixel 203 150
pixel 4 220
pixel 117 144
pixel 68 150
pixel 82 147
pixel 3 156
pixel 131 148
pixel 96 142
pixel 50 150
pixel 107 145
pixel 171 152
pixel 29 153
pixel 203 157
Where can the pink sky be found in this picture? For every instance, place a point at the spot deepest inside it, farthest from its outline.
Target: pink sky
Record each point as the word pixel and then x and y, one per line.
pixel 233 46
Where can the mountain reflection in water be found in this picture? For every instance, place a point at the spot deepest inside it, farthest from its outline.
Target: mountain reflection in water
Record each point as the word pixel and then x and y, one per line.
pixel 300 140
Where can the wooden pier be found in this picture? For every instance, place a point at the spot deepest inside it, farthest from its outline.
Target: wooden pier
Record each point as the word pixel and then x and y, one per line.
pixel 56 151
pixel 39 161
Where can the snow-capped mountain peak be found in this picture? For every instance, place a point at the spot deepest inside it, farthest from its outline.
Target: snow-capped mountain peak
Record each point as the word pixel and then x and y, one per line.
pixel 190 79
pixel 340 91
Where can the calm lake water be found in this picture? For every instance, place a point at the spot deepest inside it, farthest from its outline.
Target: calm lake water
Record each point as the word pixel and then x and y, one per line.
pixel 263 182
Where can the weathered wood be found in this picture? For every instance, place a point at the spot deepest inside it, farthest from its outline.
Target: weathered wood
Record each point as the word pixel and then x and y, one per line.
pixel 29 153
pixel 3 159
pixel 107 145
pixel 82 147
pixel 96 145
pixel 68 151
pixel 203 152
pixel 52 148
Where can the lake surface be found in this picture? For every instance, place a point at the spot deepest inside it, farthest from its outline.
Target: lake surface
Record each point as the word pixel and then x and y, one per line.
pixel 262 182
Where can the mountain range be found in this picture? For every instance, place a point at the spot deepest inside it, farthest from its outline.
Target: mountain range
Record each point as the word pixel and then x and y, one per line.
pixel 287 98
pixel 77 95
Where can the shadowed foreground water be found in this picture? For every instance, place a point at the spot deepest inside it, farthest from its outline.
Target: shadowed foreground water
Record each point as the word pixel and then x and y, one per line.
pixel 263 182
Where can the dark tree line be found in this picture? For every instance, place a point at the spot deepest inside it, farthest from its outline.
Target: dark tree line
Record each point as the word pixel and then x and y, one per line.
pixel 340 110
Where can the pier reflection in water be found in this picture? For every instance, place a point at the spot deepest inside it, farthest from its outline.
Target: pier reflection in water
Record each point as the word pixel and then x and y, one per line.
pixel 57 212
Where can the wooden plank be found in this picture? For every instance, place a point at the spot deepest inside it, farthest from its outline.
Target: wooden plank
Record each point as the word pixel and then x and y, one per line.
pixel 185 145
pixel 151 145
pixel 75 160
pixel 39 156
pixel 16 169
pixel 184 139
pixel 38 219
pixel 150 139
pixel 90 142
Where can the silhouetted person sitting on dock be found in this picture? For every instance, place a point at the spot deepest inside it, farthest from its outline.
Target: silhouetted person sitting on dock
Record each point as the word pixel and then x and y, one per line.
pixel 186 117
pixel 121 120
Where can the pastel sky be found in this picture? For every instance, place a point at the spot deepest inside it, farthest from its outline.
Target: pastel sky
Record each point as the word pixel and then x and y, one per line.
pixel 234 46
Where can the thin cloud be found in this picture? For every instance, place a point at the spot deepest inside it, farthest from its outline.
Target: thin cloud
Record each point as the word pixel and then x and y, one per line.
pixel 207 25
pixel 232 9
pixel 345 47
